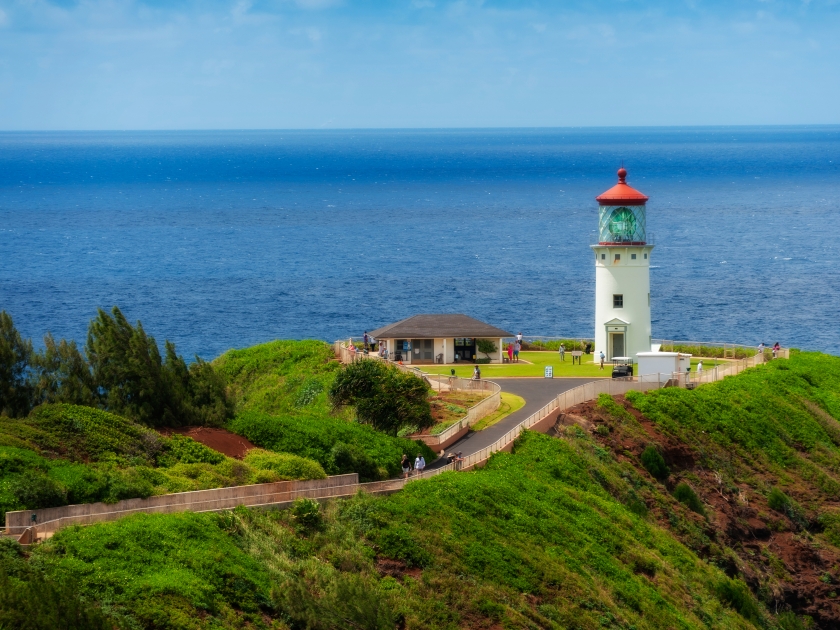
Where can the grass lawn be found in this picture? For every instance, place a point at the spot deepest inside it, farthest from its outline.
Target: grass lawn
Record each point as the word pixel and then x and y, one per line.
pixel 509 404
pixel 536 366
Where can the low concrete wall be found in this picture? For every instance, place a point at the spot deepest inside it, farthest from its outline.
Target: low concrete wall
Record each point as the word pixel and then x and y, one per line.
pixel 197 501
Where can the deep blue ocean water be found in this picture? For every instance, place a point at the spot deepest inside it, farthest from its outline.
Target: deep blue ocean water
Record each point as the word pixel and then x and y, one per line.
pixel 224 239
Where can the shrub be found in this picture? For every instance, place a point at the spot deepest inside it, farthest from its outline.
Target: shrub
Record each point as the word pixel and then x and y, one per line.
pixel 384 397
pixel 686 495
pixel 185 450
pixel 35 490
pixel 307 513
pixel 737 595
pixel 782 503
pixel 348 458
pixel 285 465
pixel 486 347
pixel 654 463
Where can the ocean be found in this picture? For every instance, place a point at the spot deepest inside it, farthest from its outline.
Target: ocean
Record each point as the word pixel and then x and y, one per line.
pixel 219 240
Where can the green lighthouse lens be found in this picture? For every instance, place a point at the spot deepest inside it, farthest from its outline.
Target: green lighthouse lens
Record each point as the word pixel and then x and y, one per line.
pixel 622 223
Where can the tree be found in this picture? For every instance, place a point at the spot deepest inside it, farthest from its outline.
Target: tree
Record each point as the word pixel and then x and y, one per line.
pixel 61 375
pixel 486 347
pixel 127 368
pixel 383 396
pixel 15 360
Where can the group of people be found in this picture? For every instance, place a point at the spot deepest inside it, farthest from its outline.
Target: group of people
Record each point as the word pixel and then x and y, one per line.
pixel 408 468
pixel 776 348
pixel 513 348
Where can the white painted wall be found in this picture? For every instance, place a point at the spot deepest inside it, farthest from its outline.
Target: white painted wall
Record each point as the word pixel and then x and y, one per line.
pixel 630 278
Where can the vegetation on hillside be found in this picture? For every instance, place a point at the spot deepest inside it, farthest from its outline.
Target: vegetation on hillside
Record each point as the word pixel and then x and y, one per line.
pixel 68 454
pixel 539 538
pixel 711 508
pixel 282 390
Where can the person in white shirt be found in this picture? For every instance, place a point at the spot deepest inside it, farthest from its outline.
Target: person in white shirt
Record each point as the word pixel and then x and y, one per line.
pixel 699 368
pixel 417 469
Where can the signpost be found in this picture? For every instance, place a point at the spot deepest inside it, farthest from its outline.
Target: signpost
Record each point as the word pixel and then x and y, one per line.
pixel 549 371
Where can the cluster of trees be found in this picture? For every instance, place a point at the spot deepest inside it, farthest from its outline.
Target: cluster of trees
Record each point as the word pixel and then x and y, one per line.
pixel 121 370
pixel 383 396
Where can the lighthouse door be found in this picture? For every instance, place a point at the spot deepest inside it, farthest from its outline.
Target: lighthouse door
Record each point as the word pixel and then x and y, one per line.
pixel 617 344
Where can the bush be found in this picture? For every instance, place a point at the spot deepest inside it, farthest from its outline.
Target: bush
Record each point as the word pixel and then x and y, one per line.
pixel 35 491
pixel 685 494
pixel 285 465
pixel 315 436
pixel 185 450
pixel 307 514
pixel 349 458
pixel 384 397
pixel 654 463
pixel 737 595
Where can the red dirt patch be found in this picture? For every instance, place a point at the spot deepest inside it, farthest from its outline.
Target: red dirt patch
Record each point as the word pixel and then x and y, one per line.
pixel 220 440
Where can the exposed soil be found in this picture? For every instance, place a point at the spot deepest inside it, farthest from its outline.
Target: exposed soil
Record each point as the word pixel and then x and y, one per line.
pixel 780 560
pixel 220 440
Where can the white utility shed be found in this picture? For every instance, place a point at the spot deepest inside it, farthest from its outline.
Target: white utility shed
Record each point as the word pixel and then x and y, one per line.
pixel 662 363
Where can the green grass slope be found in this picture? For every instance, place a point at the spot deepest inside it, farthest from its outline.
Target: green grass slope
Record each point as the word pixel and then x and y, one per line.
pixel 281 389
pixel 545 537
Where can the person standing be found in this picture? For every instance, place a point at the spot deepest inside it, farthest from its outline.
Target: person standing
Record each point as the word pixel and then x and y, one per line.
pixel 476 373
pixel 519 338
pixel 516 347
pixel 510 352
pixel 699 369
pixel 761 352
pixel 776 348
pixel 562 352
pixel 366 339
pixel 405 464
pixel 422 465
pixel 417 468
pixel 602 359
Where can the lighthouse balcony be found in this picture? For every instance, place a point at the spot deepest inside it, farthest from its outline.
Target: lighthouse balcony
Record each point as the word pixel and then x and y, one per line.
pixel 595 239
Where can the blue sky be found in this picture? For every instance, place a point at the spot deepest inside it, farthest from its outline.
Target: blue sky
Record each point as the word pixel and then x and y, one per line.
pixel 126 64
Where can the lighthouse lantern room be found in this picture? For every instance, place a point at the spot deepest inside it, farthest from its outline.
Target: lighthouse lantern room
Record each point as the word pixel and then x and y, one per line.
pixel 622 273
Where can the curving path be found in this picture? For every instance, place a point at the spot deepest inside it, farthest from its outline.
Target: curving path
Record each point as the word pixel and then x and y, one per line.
pixel 537 393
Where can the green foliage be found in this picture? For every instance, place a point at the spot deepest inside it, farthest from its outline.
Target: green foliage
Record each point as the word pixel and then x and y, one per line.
pixel 339 446
pixel 346 601
pixel 384 397
pixel 61 375
pixel 307 514
pixel 184 450
pixel 486 347
pixel 134 381
pixel 608 404
pixel 737 595
pixel 780 416
pixel 686 495
pixel 15 358
pixel 30 602
pixel 160 570
pixel 654 463
pixel 285 465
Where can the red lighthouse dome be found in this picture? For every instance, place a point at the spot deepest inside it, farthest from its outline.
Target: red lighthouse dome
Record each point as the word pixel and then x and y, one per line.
pixel 621 194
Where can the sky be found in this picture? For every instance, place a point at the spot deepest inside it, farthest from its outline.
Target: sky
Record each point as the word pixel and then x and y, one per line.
pixel 286 64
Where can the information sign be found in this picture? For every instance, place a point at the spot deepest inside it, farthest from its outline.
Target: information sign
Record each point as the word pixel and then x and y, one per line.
pixel 549 371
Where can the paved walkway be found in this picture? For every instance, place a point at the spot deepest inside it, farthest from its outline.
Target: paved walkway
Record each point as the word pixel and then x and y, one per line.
pixel 537 393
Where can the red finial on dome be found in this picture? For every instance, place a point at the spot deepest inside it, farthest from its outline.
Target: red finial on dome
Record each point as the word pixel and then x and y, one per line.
pixel 622 175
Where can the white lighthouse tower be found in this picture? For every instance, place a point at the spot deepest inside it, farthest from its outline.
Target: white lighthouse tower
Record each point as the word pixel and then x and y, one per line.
pixel 622 273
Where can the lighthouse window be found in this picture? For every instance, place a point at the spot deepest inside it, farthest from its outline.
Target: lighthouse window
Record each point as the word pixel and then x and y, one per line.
pixel 603 256
pixel 633 256
pixel 618 256
pixel 645 256
pixel 618 301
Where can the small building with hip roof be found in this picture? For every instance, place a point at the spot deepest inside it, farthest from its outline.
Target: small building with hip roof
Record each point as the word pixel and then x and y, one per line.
pixel 444 338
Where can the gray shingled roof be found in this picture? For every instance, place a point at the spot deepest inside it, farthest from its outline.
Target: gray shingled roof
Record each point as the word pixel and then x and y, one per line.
pixel 432 326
